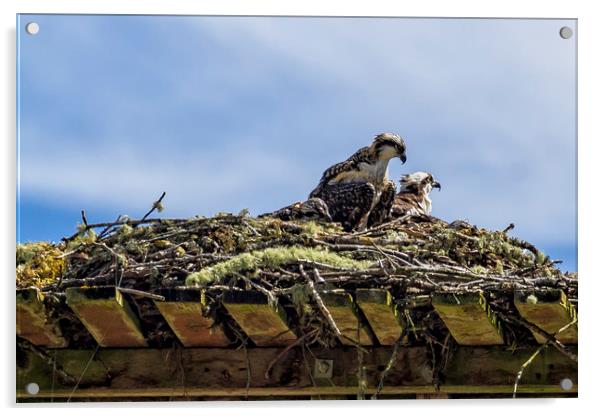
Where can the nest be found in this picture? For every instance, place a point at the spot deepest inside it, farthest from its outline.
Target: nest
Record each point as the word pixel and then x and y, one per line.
pixel 412 257
pixel 230 250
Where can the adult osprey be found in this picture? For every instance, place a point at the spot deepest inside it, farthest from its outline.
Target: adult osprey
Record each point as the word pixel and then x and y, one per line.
pixel 413 196
pixel 357 191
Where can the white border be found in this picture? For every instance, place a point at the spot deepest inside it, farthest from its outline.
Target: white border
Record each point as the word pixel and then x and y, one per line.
pixel 590 68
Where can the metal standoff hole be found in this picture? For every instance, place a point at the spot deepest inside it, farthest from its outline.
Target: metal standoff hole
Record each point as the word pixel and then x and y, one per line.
pixel 32 389
pixel 32 28
pixel 323 368
pixel 566 384
pixel 566 32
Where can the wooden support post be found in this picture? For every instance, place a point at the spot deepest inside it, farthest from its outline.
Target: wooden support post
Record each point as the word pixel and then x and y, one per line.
pixel 382 314
pixel 183 311
pixel 550 310
pixel 343 311
pixel 106 315
pixel 33 323
pixel 264 323
pixel 469 318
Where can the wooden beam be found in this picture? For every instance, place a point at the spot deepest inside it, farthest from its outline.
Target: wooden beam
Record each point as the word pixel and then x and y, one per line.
pixel 432 396
pixel 183 311
pixel 33 322
pixel 274 393
pixel 265 324
pixel 211 372
pixel 381 313
pixel 500 365
pixel 106 315
pixel 344 313
pixel 550 310
pixel 469 318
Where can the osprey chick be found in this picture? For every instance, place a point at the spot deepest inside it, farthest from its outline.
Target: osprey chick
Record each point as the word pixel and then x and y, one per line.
pixel 413 196
pixel 357 191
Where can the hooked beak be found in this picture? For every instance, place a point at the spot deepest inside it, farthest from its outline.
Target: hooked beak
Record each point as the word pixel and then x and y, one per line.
pixel 403 158
pixel 437 185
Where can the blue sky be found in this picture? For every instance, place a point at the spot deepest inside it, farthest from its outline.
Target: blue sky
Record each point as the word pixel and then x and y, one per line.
pixel 225 113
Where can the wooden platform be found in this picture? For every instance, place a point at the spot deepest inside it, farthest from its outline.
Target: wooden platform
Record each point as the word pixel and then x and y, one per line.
pixel 208 364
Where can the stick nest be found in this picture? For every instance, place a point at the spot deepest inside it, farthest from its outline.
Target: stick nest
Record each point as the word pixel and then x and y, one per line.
pixel 229 250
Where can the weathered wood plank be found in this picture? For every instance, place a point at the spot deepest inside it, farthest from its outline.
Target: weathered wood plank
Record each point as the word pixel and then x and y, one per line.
pixel 469 318
pixel 212 372
pixel 382 315
pixel 341 307
pixel 183 311
pixel 32 321
pixel 499 365
pixel 550 310
pixel 106 315
pixel 432 396
pixel 326 393
pixel 264 323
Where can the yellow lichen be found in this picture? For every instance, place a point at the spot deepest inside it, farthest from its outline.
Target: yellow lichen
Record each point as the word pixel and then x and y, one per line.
pixel 38 264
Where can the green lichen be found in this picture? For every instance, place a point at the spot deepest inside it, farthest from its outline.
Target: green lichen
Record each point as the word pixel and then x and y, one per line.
pixel 271 258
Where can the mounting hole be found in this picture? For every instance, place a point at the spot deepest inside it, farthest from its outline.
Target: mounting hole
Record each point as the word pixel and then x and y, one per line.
pixel 32 28
pixel 566 384
pixel 566 32
pixel 32 389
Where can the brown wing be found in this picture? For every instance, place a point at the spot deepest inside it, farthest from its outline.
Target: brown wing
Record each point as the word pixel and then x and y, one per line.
pixel 348 203
pixel 382 210
pixel 404 203
pixel 332 172
pixel 312 209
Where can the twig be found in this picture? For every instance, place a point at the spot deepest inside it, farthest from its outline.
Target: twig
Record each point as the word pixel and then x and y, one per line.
pixel 120 220
pixel 84 219
pixel 549 337
pixel 156 206
pixel 536 353
pixel 141 294
pixel 319 302
pixel 361 374
pixel 399 220
pixel 508 228
pixel 285 350
pixel 390 363
pixel 307 368
pixel 28 346
pixel 271 298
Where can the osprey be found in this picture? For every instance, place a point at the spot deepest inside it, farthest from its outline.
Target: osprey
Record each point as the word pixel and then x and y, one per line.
pixel 413 196
pixel 312 209
pixel 357 191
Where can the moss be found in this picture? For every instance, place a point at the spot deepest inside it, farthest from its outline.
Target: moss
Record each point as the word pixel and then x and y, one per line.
pixel 300 297
pixel 38 264
pixel 479 269
pixel 271 258
pixel 162 244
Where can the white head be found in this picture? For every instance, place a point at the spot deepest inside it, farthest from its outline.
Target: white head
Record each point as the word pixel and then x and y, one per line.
pixel 388 146
pixel 418 183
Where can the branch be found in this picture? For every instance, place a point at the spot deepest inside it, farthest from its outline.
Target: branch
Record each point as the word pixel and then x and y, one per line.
pixel 156 206
pixel 536 353
pixel 319 302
